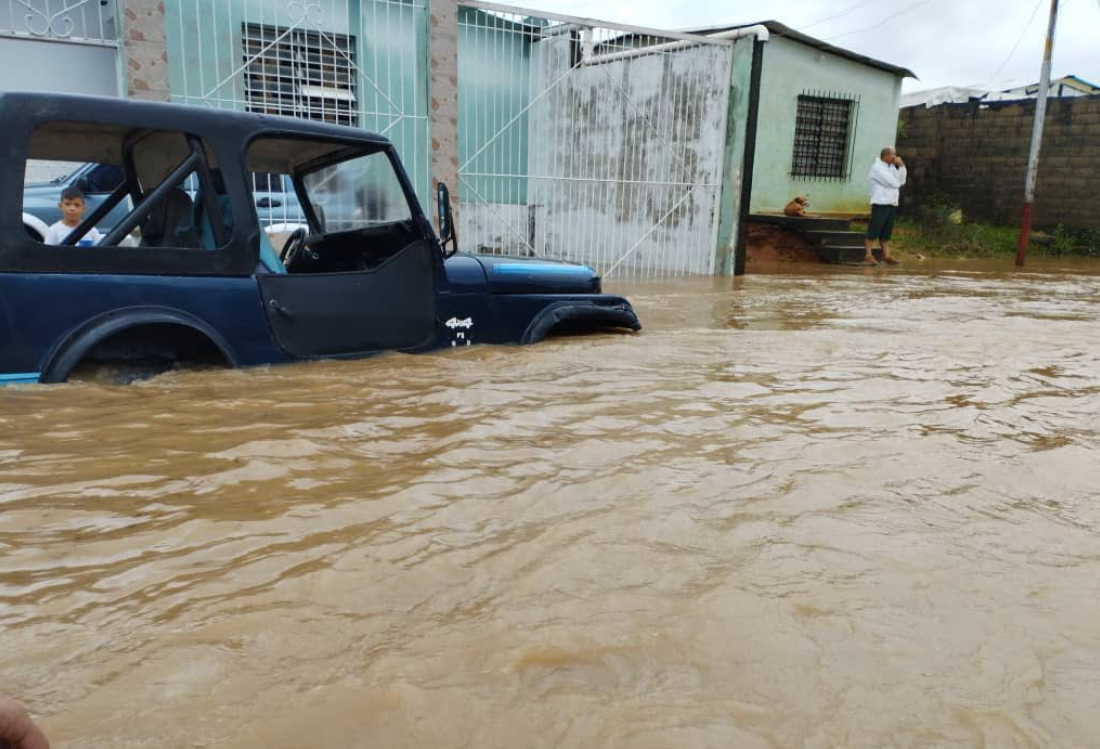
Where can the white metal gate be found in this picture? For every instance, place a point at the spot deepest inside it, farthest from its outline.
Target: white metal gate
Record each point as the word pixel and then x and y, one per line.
pixel 352 62
pixel 588 141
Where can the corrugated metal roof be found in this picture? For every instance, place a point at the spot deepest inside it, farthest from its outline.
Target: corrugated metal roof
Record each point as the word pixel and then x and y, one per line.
pixel 959 94
pixel 1070 81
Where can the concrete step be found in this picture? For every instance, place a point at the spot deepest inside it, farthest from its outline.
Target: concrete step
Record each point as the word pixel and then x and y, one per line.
pixel 801 223
pixel 836 238
pixel 839 254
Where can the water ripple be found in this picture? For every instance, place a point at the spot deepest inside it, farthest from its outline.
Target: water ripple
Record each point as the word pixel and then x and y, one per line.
pixel 816 509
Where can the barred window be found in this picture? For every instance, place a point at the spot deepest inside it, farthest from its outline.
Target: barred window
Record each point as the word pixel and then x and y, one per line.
pixel 821 137
pixel 300 73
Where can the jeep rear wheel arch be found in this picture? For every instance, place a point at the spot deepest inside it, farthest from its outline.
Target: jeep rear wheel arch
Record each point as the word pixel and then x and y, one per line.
pixel 78 343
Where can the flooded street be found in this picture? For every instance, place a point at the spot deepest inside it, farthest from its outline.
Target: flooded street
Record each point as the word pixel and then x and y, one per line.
pixel 820 509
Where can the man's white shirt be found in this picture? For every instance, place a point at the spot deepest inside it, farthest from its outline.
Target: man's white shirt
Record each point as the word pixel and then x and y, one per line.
pixel 886 183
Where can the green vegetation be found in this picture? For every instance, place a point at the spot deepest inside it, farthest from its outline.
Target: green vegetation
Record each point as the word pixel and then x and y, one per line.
pixel 962 240
pixel 938 229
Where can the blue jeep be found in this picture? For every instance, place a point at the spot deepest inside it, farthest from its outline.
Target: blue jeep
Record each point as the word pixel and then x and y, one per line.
pixel 186 273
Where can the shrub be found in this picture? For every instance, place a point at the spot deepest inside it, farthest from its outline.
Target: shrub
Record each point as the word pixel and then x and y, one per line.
pixel 1062 242
pixel 937 229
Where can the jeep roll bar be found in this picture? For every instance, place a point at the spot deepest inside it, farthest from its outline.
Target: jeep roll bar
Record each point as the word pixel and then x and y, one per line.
pixel 195 162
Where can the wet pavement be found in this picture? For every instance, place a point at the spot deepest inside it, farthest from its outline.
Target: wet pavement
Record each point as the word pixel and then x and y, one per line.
pixel 816 509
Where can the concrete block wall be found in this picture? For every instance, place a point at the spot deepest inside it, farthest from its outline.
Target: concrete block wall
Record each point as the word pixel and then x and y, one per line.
pixel 978 155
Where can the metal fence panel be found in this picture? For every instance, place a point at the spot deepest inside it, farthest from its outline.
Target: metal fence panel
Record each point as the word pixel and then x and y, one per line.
pixel 353 62
pixel 591 142
pixel 87 21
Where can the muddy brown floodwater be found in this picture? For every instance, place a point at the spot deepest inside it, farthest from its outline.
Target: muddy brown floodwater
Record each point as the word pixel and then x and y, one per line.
pixel 846 509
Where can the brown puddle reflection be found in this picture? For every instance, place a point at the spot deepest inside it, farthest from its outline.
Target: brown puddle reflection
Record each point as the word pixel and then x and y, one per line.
pixel 823 508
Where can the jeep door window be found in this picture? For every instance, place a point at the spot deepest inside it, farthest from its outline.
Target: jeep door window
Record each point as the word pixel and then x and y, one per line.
pixel 359 193
pixel 362 213
pixel 134 193
pixel 353 197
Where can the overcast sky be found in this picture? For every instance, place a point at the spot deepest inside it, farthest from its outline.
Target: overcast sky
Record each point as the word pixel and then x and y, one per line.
pixel 945 42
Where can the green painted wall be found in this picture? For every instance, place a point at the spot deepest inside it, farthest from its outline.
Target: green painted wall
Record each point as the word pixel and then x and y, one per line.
pixel 789 69
pixel 206 60
pixel 494 88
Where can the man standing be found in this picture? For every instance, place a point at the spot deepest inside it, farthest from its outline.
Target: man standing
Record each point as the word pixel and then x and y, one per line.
pixel 887 177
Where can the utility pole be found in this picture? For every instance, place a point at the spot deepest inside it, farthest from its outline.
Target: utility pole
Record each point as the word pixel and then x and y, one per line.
pixel 1036 138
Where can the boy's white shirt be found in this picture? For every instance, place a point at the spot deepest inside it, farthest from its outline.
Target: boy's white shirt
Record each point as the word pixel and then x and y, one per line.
pixel 886 183
pixel 56 234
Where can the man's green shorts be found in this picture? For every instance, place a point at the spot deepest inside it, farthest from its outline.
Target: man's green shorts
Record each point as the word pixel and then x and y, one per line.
pixel 882 222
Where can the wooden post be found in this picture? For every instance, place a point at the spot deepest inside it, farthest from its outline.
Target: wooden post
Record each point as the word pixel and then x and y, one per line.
pixel 1036 138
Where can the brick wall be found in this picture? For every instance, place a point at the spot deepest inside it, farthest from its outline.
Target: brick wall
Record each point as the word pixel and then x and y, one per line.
pixel 978 156
pixel 443 96
pixel 145 49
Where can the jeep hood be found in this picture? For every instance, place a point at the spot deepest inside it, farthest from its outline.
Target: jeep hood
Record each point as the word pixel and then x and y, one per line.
pixel 508 275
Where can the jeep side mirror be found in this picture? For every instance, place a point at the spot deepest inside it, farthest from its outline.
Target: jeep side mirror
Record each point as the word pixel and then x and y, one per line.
pixel 84 185
pixel 447 233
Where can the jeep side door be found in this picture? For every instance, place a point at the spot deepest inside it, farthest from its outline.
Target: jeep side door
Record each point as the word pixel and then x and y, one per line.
pixel 363 280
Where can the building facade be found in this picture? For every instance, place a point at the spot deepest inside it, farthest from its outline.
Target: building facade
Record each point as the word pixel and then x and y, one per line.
pixel 824 115
pixel 559 137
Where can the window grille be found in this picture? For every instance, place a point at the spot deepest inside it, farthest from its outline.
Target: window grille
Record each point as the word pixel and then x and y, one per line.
pixel 267 182
pixel 823 128
pixel 300 73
